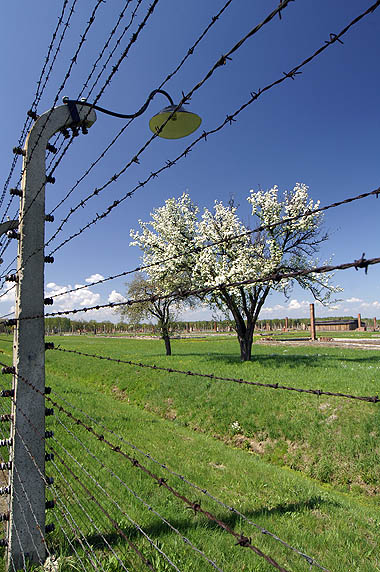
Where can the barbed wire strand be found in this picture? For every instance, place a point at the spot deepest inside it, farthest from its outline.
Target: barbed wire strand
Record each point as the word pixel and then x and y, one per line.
pixel 101 156
pixel 74 526
pixel 18 534
pixel 23 513
pixel 62 86
pixel 112 520
pixel 242 540
pixel 110 55
pixel 185 98
pixel 181 294
pixel 37 98
pixel 115 69
pixel 114 523
pixel 96 513
pixel 74 60
pixel 7 291
pixel 228 239
pixel 26 495
pixel 14 468
pixel 67 510
pixel 292 74
pixel 21 141
pixel 41 88
pixel 57 496
pixel 79 534
pixel 189 53
pixel 89 517
pixel 369 399
pixel 308 559
pixel 59 134
pixel 132 492
pixel 112 499
pixel 106 84
pixel 51 169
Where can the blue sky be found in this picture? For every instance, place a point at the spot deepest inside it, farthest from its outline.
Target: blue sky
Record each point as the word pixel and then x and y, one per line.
pixel 321 129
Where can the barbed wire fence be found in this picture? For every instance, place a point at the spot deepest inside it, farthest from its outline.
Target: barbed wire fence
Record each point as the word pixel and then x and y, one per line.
pixel 85 500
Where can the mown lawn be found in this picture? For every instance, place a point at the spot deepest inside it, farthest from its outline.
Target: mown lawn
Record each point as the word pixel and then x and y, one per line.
pixel 302 466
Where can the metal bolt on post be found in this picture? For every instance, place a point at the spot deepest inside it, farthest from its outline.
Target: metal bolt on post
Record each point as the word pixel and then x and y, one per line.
pixel 26 527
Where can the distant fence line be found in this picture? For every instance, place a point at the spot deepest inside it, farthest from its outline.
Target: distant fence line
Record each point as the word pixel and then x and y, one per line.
pixel 340 323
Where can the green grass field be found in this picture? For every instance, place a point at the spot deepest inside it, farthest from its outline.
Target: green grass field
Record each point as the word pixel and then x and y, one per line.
pixel 304 467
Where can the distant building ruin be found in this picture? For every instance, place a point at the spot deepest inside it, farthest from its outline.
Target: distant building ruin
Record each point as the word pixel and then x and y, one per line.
pixel 340 325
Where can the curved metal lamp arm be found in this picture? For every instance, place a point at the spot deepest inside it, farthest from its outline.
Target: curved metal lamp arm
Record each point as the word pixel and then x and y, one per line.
pixel 123 116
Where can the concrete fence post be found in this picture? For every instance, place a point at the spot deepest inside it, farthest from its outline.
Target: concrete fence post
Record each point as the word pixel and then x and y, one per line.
pixel 313 334
pixel 26 527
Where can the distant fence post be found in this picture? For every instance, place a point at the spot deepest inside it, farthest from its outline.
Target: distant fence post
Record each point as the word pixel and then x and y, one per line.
pixel 312 323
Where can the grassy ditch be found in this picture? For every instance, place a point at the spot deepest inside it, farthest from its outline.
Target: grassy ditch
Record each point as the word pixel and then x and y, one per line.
pixel 333 440
pixel 188 423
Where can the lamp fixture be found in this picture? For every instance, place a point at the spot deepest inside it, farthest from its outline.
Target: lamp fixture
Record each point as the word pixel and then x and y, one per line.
pixel 181 124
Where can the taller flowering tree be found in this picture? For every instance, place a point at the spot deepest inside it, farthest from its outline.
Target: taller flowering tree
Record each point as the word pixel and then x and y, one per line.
pixel 209 256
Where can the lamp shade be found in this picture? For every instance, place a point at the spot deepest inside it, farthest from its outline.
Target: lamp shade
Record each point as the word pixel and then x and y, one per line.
pixel 181 124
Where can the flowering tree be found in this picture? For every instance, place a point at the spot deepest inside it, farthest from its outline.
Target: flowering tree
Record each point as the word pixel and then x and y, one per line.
pixel 161 310
pixel 279 248
pixel 166 236
pixel 210 258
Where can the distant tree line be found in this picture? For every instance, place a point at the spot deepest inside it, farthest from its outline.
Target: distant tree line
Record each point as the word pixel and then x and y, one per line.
pixel 60 325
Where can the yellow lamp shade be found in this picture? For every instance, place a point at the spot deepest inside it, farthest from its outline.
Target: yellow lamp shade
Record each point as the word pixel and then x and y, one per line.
pixel 181 124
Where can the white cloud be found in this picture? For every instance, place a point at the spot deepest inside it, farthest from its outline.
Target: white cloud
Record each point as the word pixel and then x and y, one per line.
pixel 354 300
pixel 8 295
pixel 94 278
pixel 70 300
pixel 116 297
pixel 295 305
pixel 275 308
pixel 375 304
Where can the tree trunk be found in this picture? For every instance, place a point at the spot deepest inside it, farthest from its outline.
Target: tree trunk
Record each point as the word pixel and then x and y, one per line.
pixel 245 336
pixel 167 345
pixel 245 342
pixel 166 338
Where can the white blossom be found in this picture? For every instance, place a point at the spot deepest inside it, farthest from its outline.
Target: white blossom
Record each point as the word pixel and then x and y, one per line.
pixel 217 249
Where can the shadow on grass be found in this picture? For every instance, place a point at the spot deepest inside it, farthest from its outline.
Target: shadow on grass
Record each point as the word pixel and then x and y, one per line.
pixel 158 529
pixel 280 360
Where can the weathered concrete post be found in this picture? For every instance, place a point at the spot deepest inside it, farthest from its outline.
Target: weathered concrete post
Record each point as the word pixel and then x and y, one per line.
pixel 312 323
pixel 26 527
